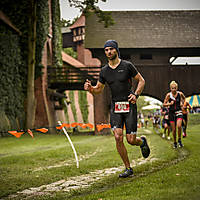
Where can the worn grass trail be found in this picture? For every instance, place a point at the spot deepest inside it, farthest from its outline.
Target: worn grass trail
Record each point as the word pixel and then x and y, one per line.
pixel 26 163
pixel 177 179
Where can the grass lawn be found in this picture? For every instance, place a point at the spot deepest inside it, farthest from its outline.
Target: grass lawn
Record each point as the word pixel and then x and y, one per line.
pixel 172 174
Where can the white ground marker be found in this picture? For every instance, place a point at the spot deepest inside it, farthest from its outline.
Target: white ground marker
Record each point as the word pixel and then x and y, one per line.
pixel 74 150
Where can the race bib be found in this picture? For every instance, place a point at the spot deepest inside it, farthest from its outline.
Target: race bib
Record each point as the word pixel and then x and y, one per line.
pixel 178 113
pixel 122 107
pixel 166 117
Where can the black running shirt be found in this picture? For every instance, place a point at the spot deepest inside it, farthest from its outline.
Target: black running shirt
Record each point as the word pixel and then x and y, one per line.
pixel 177 102
pixel 119 79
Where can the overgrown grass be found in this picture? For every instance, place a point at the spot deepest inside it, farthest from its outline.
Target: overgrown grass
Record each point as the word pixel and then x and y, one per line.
pixel 162 179
pixel 194 119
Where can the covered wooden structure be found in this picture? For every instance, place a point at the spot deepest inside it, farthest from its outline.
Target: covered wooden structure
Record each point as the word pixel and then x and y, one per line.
pixel 150 39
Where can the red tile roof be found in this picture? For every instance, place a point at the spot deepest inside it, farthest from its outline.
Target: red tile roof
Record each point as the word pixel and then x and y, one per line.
pixel 79 22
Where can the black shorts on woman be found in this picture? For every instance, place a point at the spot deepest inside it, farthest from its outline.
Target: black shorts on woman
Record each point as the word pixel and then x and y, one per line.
pixel 120 83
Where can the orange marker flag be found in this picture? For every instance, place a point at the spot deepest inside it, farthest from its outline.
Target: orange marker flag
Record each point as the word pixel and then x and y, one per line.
pixel 30 133
pixel 90 125
pixel 60 127
pixel 102 126
pixel 99 127
pixel 105 126
pixel 74 124
pixel 66 125
pixel 84 126
pixel 16 134
pixel 81 125
pixel 43 130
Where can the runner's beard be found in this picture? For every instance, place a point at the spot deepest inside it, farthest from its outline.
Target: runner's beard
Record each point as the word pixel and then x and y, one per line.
pixel 113 57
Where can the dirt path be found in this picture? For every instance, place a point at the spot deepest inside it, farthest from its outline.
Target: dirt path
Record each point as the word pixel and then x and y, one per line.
pixel 74 183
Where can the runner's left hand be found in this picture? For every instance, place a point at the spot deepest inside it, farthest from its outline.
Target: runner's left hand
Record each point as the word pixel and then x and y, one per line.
pixel 132 98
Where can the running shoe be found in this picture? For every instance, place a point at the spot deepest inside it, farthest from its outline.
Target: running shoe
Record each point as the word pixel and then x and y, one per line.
pixel 144 147
pixel 168 138
pixel 175 145
pixel 180 143
pixel 163 136
pixel 127 172
pixel 184 135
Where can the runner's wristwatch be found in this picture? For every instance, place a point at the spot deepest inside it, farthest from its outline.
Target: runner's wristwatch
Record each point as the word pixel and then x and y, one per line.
pixel 136 95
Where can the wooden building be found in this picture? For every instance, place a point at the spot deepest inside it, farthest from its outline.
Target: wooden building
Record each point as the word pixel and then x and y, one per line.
pixel 151 40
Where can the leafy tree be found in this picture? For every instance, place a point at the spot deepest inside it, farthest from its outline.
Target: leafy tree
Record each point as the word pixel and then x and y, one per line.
pixel 70 52
pixel 31 103
pixel 85 6
pixel 65 23
pixel 88 6
pixel 141 102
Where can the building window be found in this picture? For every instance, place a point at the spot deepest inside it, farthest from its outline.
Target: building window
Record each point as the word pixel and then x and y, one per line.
pixel 74 32
pixel 79 31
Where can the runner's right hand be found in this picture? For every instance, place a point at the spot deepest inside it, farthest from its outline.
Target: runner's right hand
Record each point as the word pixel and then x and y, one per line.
pixel 87 85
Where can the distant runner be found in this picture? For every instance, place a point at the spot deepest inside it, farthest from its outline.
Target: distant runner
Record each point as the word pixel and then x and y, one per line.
pixel 118 74
pixel 185 108
pixel 175 100
pixel 166 122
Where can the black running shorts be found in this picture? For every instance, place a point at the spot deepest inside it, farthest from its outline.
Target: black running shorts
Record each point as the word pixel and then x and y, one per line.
pixel 185 117
pixel 166 121
pixel 175 115
pixel 118 120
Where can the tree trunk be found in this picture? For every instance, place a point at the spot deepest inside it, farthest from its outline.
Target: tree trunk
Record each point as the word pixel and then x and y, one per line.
pixel 31 102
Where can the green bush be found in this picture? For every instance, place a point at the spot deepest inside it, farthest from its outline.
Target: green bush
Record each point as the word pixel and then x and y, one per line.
pixel 71 97
pixel 14 54
pixel 11 90
pixel 83 104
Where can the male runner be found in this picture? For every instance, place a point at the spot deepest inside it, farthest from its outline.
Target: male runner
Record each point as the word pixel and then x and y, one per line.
pixel 118 74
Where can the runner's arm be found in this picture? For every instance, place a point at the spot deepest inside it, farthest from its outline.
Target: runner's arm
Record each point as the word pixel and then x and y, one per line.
pixel 166 101
pixel 189 106
pixel 141 83
pixel 98 88
pixel 182 98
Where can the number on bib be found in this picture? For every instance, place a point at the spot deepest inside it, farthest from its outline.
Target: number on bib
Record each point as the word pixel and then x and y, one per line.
pixel 122 107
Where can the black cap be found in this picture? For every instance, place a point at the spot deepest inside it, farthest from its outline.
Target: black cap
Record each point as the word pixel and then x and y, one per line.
pixel 112 43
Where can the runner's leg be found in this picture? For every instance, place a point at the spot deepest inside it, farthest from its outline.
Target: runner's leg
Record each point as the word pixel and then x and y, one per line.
pixel 168 131
pixel 131 126
pixel 179 124
pixel 131 131
pixel 118 132
pixel 185 127
pixel 133 140
pixel 173 125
